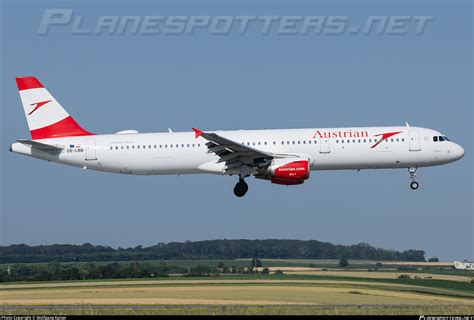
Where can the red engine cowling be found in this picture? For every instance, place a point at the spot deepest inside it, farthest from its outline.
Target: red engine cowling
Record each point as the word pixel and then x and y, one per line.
pixel 289 171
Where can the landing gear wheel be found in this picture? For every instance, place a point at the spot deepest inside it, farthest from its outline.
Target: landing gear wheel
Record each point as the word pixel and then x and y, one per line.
pixel 241 188
pixel 413 185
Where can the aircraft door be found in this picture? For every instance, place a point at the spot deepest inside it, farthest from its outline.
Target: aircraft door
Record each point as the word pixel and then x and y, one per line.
pixel 324 146
pixel 414 140
pixel 91 149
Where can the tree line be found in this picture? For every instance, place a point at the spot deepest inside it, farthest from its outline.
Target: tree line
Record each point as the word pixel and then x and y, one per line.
pixel 209 249
pixel 89 270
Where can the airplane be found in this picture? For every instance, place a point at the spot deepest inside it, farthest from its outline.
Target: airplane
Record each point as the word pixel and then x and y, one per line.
pixel 283 156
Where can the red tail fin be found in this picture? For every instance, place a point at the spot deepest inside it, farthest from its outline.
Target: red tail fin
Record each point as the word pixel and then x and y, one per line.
pixel 46 117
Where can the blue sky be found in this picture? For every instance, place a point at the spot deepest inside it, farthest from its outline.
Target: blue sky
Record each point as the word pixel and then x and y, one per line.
pixel 151 82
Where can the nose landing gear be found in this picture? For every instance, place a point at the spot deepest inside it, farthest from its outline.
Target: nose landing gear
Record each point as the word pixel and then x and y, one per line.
pixel 241 188
pixel 414 184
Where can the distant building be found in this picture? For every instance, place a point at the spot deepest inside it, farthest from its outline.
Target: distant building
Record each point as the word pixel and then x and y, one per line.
pixel 465 265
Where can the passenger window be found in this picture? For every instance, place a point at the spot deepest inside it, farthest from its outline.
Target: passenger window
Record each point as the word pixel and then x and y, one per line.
pixel 187 145
pixel 182 146
pixel 274 143
pixel 304 141
pixel 337 141
pixel 315 142
pixel 133 147
pixel 342 141
pixel 193 145
pixel 288 142
pixel 111 148
pixel 121 147
pixel 365 140
pixel 128 147
pixel 161 146
pixel 171 146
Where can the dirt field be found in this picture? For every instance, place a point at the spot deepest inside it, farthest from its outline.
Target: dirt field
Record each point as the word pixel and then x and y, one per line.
pixel 242 310
pixel 221 292
pixel 372 274
pixel 301 290
pixel 363 262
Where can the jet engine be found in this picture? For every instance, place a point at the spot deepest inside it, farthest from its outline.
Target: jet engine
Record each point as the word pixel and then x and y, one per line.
pixel 288 171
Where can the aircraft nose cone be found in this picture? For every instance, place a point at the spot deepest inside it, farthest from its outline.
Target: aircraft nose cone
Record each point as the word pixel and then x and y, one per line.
pixel 458 152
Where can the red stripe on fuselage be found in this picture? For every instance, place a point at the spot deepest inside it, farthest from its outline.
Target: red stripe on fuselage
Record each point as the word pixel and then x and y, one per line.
pixel 64 128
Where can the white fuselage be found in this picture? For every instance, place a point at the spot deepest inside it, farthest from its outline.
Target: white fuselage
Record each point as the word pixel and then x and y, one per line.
pixel 182 153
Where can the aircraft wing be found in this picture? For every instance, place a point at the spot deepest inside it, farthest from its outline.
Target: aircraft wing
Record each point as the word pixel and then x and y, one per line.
pixel 41 146
pixel 236 155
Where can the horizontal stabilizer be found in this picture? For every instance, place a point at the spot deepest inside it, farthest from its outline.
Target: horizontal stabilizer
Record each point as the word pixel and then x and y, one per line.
pixel 41 146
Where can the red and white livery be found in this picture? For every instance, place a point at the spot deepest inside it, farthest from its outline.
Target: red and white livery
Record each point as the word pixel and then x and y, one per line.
pixel 284 156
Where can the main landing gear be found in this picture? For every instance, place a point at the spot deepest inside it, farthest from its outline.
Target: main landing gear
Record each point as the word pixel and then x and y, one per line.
pixel 414 184
pixel 241 188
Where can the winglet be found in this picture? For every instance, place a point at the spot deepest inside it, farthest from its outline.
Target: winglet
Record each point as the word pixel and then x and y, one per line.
pixel 197 133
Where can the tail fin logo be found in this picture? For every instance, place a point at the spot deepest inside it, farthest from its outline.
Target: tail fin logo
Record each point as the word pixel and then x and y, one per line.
pixel 38 105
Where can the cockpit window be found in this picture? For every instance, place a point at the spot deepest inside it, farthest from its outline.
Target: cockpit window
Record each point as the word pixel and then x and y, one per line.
pixel 440 138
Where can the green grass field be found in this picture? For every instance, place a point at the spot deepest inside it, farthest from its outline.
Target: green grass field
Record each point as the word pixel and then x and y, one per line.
pixel 342 291
pixel 318 263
